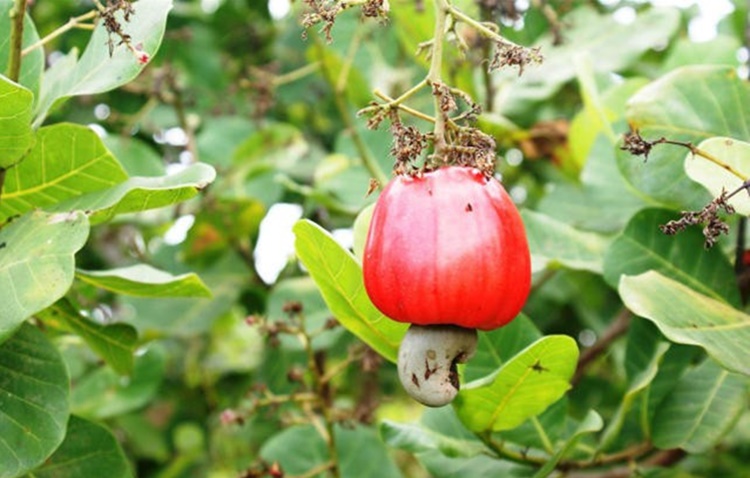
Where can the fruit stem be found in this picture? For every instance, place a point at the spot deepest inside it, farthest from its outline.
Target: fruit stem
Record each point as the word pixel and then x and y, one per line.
pixel 434 76
pixel 17 14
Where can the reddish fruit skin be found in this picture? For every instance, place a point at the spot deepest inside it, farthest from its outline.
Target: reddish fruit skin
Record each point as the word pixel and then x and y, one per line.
pixel 447 247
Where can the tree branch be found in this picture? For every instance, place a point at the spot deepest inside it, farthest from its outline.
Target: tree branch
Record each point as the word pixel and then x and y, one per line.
pixel 617 328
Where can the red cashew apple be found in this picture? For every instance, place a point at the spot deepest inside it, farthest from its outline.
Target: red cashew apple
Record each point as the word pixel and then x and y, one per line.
pixel 446 252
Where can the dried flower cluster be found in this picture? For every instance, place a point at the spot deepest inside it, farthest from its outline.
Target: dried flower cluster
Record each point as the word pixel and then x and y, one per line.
pixel 114 28
pixel 326 11
pixel 474 148
pixel 261 86
pixel 408 144
pixel 636 145
pixel 514 55
pixel 709 215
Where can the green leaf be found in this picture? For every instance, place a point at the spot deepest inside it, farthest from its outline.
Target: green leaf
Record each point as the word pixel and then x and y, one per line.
pixel 702 407
pixel 34 388
pixel 136 156
pixel 522 388
pixel 339 277
pixel 360 452
pixel 553 242
pixel 360 228
pixel 416 438
pixel 89 449
pixel 496 347
pixel 37 263
pixel 688 317
pixel 97 70
pixel 114 343
pixel 642 247
pixel 185 317
pixel 592 34
pixel 103 394
pixel 689 104
pixel 141 194
pixel 142 280
pixel 716 178
pixel 66 161
pixel 722 50
pixel 638 384
pixel 591 423
pixel 32 65
pixel 16 135
pixel 603 201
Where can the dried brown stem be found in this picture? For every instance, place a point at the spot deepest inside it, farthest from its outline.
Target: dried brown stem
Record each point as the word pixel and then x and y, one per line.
pixel 617 328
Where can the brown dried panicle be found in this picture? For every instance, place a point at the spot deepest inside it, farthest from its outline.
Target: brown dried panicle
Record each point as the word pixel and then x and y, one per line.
pixel 408 144
pixel 321 11
pixel 473 148
pixel 709 215
pixel 445 97
pixel 376 9
pixel 514 55
pixel 112 25
pixel 262 89
pixel 501 9
pixel 636 145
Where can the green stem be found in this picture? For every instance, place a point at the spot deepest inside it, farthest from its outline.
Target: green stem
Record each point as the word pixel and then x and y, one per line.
pixel 543 435
pixel 297 74
pixel 394 103
pixel 480 27
pixel 435 74
pixel 368 161
pixel 75 22
pixel 17 14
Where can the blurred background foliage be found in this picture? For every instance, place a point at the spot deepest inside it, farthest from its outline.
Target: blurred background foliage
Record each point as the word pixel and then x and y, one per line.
pixel 274 111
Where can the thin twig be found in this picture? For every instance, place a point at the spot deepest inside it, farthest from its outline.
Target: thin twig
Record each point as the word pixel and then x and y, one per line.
pixel 75 22
pixel 368 161
pixel 617 328
pixel 17 14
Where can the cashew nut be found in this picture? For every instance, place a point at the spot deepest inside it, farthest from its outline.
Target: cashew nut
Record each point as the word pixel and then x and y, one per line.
pixel 427 361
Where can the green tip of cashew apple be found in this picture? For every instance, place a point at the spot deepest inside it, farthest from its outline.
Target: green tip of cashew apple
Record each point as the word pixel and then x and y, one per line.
pixel 427 360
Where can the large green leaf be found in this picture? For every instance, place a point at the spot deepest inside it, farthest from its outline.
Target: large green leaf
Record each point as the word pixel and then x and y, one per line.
pixel 140 194
pixel 591 423
pixel 33 62
pixel 522 388
pixel 702 407
pixel 638 384
pixel 716 178
pixel 554 242
pixel 688 317
pixel 438 429
pixel 689 104
pixel 97 70
pixel 16 135
pixel 496 347
pixel 360 453
pixel 114 343
pixel 103 393
pixel 142 280
pixel 591 34
pixel 603 201
pixel 339 277
pixel 37 263
pixel 34 389
pixel 89 449
pixel 66 161
pixel 227 277
pixel 642 247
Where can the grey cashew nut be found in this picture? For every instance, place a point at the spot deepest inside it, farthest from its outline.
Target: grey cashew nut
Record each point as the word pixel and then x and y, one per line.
pixel 427 361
